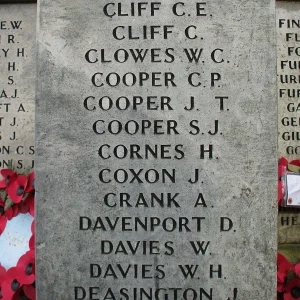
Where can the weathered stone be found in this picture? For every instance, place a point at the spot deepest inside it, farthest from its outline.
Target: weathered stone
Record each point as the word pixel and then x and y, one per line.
pixel 288 78
pixel 17 85
pixel 289 228
pixel 291 252
pixel 96 191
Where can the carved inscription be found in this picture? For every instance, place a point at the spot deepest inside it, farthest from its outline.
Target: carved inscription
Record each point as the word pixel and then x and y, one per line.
pixel 17 85
pixel 288 78
pixel 113 95
pixel 153 123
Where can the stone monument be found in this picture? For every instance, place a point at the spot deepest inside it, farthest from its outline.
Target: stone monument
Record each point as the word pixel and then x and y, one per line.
pixel 288 81
pixel 156 150
pixel 288 78
pixel 17 85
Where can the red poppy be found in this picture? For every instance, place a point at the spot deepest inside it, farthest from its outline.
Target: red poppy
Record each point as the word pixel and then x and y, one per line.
pixel 32 227
pixel 20 295
pixel 2 273
pixel 283 161
pixel 2 205
pixel 280 296
pixel 295 162
pixel 2 217
pixel 292 291
pixel 29 201
pixel 23 207
pixel 32 239
pixel 0 288
pixel 9 213
pixel 10 285
pixel 15 209
pixel 297 269
pixel 3 222
pixel 283 269
pixel 281 188
pixel 18 283
pixel 25 270
pixel 30 184
pixel 6 215
pixel 32 242
pixel 29 291
pixel 282 170
pixel 8 177
pixel 31 208
pixel 2 276
pixel 2 270
pixel 17 188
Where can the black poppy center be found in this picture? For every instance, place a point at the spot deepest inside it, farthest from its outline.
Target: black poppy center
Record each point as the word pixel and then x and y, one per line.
pixel 295 292
pixel 28 270
pixel 7 179
pixel 23 296
pixel 1 210
pixel 20 190
pixel 15 285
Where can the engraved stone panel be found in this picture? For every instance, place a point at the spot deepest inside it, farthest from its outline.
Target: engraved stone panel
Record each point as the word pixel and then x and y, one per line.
pixel 17 85
pixel 288 78
pixel 288 228
pixel 156 150
pixel 288 81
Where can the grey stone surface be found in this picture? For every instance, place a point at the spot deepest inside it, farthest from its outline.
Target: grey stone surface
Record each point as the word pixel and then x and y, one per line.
pixel 238 182
pixel 17 85
pixel 288 79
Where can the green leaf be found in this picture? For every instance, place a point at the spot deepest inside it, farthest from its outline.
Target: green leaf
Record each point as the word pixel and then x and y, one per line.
pixel 25 196
pixel 10 164
pixel 3 194
pixel 8 204
pixel 27 171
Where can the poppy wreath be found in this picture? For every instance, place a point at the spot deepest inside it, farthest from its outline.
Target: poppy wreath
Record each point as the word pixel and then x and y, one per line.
pixel 288 279
pixel 284 166
pixel 17 197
